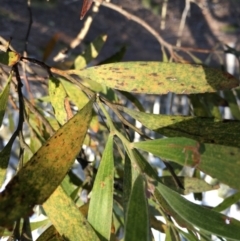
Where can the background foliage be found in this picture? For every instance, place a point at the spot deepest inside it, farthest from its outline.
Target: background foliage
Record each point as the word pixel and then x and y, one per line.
pixel 85 101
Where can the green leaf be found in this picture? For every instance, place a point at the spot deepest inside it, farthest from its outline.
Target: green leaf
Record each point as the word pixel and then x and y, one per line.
pixel 221 162
pixel 67 219
pixel 90 53
pixel 190 184
pixel 37 180
pixel 4 160
pixel 206 130
pixel 227 202
pixel 137 223
pixel 75 94
pixel 9 58
pixel 4 98
pixel 232 102
pixel 101 203
pixel 203 218
pixel 50 234
pixel 57 95
pixel 160 78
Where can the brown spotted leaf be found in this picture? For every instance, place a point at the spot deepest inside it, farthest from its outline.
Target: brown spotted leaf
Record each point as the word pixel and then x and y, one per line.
pixel 159 77
pixel 64 215
pixel 37 180
pixel 218 161
pixel 202 129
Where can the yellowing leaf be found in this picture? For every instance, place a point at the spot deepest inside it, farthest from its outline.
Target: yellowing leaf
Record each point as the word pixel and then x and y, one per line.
pixel 37 180
pixel 159 77
pixel 9 58
pixel 57 95
pixel 67 219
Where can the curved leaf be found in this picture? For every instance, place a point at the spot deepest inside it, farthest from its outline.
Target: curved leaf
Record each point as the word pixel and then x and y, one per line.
pixel 160 77
pixel 227 202
pixel 101 203
pixel 36 181
pixel 206 130
pixel 221 162
pixel 67 219
pixel 203 218
pixel 137 223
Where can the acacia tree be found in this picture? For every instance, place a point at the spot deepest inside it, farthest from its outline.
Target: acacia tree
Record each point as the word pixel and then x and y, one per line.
pixel 124 192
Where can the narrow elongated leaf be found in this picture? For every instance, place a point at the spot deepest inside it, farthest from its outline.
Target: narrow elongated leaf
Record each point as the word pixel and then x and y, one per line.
pixel 137 223
pixel 36 181
pixel 221 162
pixel 227 202
pixel 4 98
pixel 50 234
pixel 57 95
pixel 203 218
pixel 4 160
pixel 101 203
pixel 206 130
pixel 9 58
pixel 160 78
pixel 67 219
pixel 190 184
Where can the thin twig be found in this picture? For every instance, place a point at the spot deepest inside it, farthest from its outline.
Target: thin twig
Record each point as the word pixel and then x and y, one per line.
pixel 138 20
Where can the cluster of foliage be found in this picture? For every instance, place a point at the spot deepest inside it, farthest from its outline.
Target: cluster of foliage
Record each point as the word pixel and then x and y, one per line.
pixel 125 192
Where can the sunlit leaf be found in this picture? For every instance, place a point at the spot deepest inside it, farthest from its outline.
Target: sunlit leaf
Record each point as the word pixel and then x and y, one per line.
pixel 101 203
pixel 67 219
pixel 201 217
pixel 36 181
pixel 90 53
pixel 160 78
pixel 221 162
pixel 57 95
pixel 137 220
pixel 75 94
pixel 206 130
pixel 9 58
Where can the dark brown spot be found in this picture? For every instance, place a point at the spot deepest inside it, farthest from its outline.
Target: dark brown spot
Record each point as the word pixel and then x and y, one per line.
pixel 48 144
pixel 142 64
pixel 135 89
pixel 109 78
pixel 193 87
pixel 153 74
pixel 160 83
pixel 232 153
pixel 182 84
pixel 132 77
